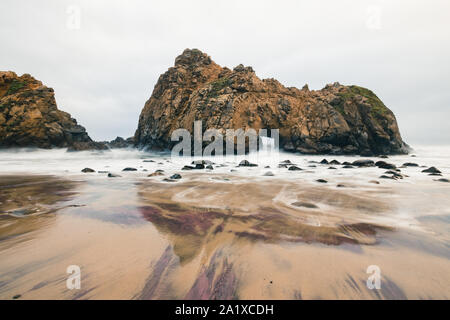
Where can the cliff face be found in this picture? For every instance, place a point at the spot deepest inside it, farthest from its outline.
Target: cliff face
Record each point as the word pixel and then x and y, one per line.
pixel 335 120
pixel 29 117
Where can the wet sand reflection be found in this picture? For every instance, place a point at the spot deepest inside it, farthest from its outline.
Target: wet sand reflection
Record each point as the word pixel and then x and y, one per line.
pixel 249 212
pixel 26 202
pixel 209 224
pixel 214 237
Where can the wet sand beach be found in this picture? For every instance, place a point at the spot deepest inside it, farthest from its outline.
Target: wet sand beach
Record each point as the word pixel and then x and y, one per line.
pixel 220 234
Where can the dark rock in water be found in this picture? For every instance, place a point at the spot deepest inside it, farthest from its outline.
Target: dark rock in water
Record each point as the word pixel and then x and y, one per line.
pixel 385 165
pixel 129 169
pixel 294 168
pixel 120 143
pixel 324 161
pixel 304 205
pixel 341 119
pixel 209 167
pixel 413 156
pixel 387 177
pixel 267 167
pixel 102 171
pixel 348 167
pixel 341 185
pixel 199 166
pixel 395 174
pixel 322 181
pixel 87 146
pixel 374 182
pixel 112 175
pixel 346 163
pixel 268 174
pixel 175 176
pixel 334 162
pixel 149 160
pixel 392 172
pixel 204 162
pixel 363 163
pixel 332 168
pixel 435 174
pixel 286 162
pixel 383 157
pixel 432 170
pixel 159 170
pixel 156 173
pixel 410 164
pixel 443 180
pixel 312 166
pixel 188 168
pixel 281 165
pixel 17 296
pixel 245 163
pixel 87 170
pixel 169 180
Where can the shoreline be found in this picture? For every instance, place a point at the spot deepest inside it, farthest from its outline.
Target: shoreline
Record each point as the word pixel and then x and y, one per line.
pixel 206 235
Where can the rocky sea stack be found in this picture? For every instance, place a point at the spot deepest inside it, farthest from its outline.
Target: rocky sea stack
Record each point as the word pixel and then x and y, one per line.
pixel 29 117
pixel 335 120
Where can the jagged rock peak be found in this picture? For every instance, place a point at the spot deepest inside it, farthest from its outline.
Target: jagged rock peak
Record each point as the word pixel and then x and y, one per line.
pixel 192 57
pixel 241 68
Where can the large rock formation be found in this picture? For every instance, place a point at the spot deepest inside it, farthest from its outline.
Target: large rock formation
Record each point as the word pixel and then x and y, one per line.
pixel 29 117
pixel 337 119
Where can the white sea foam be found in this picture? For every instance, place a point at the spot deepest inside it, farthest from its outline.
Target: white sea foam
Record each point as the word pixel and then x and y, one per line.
pixel 61 162
pixel 416 196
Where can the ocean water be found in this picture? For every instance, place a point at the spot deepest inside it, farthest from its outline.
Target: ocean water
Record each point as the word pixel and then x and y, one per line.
pixel 61 162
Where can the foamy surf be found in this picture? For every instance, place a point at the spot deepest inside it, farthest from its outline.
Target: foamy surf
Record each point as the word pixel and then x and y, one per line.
pixel 227 221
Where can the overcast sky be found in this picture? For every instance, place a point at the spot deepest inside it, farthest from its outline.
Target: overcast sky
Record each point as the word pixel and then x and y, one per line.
pixel 103 58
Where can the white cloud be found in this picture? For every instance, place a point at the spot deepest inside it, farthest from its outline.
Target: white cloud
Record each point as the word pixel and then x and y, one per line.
pixel 105 70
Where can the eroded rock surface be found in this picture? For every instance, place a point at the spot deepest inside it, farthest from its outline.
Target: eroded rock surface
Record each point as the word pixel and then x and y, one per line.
pixel 29 117
pixel 335 120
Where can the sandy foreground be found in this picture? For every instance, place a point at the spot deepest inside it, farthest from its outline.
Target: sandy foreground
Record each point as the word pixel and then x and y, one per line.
pixel 219 236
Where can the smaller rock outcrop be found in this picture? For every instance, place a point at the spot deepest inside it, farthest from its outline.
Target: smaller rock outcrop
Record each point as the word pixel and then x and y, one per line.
pixel 120 143
pixel 29 117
